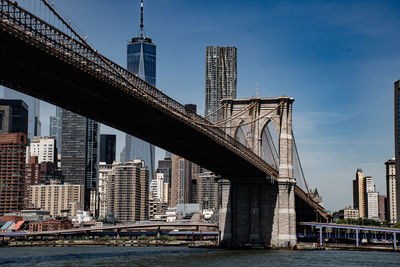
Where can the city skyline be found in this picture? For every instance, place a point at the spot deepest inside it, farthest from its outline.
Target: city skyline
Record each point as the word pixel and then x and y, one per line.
pixel 335 70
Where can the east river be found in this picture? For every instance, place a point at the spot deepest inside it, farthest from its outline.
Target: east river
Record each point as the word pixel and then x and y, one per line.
pixel 182 256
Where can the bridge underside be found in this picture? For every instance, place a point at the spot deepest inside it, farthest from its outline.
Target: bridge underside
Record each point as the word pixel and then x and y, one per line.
pixel 263 214
pixel 34 69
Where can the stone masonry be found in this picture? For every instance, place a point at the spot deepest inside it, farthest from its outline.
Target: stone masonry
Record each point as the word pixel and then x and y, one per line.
pixel 263 213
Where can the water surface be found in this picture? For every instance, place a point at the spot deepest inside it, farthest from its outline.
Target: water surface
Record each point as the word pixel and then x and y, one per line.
pixel 182 256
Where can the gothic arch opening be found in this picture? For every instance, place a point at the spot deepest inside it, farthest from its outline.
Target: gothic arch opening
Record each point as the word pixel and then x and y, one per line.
pixel 270 144
pixel 243 134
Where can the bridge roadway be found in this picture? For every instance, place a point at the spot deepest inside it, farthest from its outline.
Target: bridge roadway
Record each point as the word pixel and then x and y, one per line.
pixel 43 62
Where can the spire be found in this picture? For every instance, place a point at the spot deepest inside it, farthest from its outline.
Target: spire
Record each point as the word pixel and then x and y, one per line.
pixel 141 18
pixel 257 89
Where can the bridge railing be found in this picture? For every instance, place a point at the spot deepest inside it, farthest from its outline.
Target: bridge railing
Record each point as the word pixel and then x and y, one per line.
pixel 73 48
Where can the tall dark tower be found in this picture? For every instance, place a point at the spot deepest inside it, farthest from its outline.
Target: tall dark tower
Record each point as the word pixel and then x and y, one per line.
pixel 141 60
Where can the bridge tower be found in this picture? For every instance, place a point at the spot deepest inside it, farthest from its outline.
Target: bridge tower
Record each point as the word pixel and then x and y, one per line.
pixel 260 213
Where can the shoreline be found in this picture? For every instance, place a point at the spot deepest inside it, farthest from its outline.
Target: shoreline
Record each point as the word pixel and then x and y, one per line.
pixel 351 247
pixel 190 244
pixel 115 243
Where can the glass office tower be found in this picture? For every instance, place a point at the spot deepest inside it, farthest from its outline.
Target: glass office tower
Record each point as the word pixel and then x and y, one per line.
pixel 141 60
pixel 34 125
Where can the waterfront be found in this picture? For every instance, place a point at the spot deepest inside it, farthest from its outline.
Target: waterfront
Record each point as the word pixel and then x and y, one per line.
pixel 182 256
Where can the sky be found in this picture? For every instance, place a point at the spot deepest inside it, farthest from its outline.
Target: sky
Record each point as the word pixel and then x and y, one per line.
pixel 337 59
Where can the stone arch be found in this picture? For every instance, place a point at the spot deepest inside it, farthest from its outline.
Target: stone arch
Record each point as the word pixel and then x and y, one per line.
pixel 243 133
pixel 269 143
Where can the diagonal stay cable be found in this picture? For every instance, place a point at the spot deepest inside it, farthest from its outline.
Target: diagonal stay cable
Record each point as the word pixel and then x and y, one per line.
pixel 298 159
pixel 227 127
pixel 270 149
pixel 270 138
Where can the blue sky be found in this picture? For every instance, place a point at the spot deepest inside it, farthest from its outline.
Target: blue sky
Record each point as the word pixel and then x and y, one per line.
pixel 338 59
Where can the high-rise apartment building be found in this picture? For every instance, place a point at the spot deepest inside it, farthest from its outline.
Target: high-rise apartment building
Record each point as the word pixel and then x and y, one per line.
pixel 55 127
pixel 128 191
pixel 157 188
pixel 105 171
pixel 397 144
pixel 34 125
pixel 44 148
pixel 371 196
pixel 60 199
pixel 180 180
pixel 80 152
pixel 391 185
pixel 382 205
pixel 141 60
pixel 207 191
pixel 12 171
pixel 32 178
pixel 221 78
pixel 13 116
pixel 165 167
pixel 359 196
pixel 107 148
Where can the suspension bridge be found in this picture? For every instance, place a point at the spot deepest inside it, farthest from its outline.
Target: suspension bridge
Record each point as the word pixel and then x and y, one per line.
pixel 252 145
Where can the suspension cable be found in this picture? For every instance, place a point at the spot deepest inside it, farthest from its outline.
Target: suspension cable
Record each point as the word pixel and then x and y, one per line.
pixel 273 158
pixel 301 168
pixel 230 127
pixel 236 115
pixel 209 114
pixel 273 144
pixel 245 139
pixel 85 42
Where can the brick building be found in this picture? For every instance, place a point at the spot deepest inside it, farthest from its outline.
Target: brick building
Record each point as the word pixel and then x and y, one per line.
pixel 12 171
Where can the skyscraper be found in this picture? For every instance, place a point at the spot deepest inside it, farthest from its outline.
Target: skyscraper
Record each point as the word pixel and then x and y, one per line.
pixel 55 127
pixel 12 171
pixel 180 181
pixel 80 151
pixel 221 78
pixel 44 148
pixel 397 144
pixel 13 116
pixel 391 215
pixel 34 125
pixel 107 148
pixel 359 196
pixel 128 191
pixel 371 196
pixel 141 60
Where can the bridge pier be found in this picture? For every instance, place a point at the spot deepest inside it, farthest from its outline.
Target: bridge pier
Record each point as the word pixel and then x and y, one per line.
pixel 257 214
pixel 284 227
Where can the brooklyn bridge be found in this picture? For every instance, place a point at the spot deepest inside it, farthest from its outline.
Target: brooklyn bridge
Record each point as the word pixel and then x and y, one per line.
pixel 252 146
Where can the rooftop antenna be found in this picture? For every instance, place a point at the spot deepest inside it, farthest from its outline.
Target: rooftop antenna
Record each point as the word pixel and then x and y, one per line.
pixel 141 18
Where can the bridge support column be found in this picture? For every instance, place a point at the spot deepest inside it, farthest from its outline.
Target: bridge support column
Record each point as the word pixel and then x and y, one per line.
pixel 225 220
pixel 246 214
pixel 284 228
pixel 254 214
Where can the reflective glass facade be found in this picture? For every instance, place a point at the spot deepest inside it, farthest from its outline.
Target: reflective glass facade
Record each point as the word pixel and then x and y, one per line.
pixel 80 151
pixel 141 60
pixel 34 125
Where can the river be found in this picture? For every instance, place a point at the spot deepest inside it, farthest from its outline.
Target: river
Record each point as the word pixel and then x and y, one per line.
pixel 182 256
